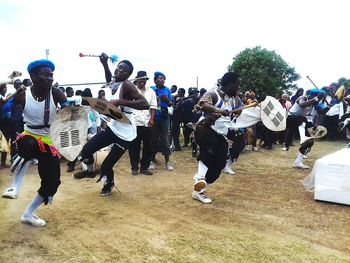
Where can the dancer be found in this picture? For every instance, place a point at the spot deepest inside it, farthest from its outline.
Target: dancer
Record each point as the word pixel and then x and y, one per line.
pixel 126 97
pixel 40 104
pixel 296 120
pixel 210 133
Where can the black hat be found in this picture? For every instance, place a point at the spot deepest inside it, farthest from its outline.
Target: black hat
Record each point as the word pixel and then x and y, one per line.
pixel 192 91
pixel 141 74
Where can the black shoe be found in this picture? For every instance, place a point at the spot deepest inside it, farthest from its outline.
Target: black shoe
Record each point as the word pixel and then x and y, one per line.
pixel 146 172
pixel 70 169
pixel 134 172
pixel 84 174
pixel 107 189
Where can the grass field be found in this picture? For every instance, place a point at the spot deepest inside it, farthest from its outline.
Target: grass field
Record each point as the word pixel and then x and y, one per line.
pixel 261 214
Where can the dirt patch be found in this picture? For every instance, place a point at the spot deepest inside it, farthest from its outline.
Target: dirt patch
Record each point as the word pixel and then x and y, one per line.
pixel 261 214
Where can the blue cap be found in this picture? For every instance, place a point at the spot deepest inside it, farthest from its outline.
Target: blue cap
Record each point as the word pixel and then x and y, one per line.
pixel 40 63
pixel 157 74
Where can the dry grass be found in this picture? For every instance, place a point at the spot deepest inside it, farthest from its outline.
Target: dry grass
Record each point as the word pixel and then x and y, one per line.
pixel 262 214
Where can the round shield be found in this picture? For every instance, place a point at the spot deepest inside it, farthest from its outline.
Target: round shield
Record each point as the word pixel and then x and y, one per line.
pixel 318 131
pixel 273 115
pixel 69 131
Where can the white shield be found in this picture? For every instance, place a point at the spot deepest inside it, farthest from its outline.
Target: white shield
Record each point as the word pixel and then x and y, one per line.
pixel 69 131
pixel 273 115
pixel 106 108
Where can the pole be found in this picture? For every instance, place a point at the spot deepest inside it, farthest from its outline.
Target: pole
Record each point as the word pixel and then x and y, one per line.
pixel 47 52
pixel 197 82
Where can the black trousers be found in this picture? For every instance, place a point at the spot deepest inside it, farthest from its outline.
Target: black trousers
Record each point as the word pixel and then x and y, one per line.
pixel 187 133
pixel 237 146
pixel 99 141
pixel 212 152
pixel 331 123
pixel 48 164
pixel 160 137
pixel 175 133
pixel 293 122
pixel 144 137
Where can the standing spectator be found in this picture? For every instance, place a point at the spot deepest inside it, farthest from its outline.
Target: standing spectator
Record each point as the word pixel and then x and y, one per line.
pixel 5 126
pixel 16 120
pixel 297 94
pixel 177 118
pixel 160 134
pixel 286 104
pixel 173 90
pixel 144 120
pixel 102 96
pixel 189 116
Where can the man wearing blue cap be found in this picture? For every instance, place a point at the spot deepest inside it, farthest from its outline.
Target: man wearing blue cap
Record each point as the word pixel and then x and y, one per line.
pixel 39 110
pixel 160 136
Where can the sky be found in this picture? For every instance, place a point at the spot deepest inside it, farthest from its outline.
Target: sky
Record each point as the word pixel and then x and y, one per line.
pixel 187 40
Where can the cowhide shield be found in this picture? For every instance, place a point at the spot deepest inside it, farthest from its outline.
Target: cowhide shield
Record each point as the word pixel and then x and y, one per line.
pixel 273 115
pixel 317 132
pixel 69 131
pixel 106 108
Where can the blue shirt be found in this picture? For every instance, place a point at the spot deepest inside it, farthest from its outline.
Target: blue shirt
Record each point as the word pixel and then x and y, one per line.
pixel 161 104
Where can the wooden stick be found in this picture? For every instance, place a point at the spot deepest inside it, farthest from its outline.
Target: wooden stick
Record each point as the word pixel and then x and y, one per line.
pixel 245 107
pixel 97 83
pixel 312 82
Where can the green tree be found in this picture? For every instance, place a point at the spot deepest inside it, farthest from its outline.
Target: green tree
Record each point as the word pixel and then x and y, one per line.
pixel 264 72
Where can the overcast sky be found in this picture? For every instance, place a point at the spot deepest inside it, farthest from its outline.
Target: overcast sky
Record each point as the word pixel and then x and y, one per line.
pixel 184 39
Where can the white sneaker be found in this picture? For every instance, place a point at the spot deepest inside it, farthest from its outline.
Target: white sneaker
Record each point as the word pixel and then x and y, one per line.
pixel 201 197
pixel 284 149
pixel 35 161
pixel 301 166
pixel 229 171
pixel 305 157
pixel 10 193
pixel 168 167
pixel 152 166
pixel 33 220
pixel 255 149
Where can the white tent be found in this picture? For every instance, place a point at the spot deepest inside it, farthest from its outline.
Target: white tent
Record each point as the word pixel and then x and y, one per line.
pixel 330 178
